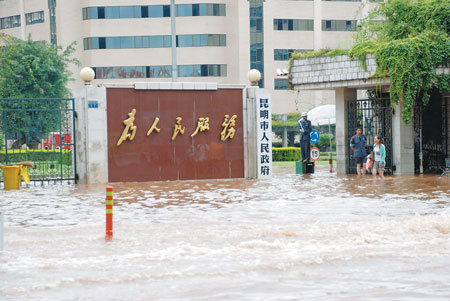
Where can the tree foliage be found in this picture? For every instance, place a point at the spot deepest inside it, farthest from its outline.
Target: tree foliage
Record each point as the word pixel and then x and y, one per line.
pixel 32 69
pixel 410 39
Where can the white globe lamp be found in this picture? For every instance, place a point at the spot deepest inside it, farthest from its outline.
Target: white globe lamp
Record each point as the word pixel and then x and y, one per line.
pixel 254 76
pixel 87 75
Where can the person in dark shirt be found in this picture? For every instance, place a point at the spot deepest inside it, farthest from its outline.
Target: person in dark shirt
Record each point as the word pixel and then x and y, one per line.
pixel 304 126
pixel 358 145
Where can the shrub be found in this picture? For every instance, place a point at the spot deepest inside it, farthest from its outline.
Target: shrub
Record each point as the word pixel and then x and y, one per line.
pixel 286 154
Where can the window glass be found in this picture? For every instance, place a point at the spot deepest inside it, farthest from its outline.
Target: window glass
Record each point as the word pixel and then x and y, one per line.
pixel 166 11
pixel 216 10
pixel 204 70
pixel 223 40
pixel 184 10
pixel 112 42
pixel 155 11
pixel 35 17
pixel 112 12
pixel 213 40
pixel 159 71
pixel 126 12
pixel 156 42
pixel 222 10
pixel 138 42
pixel 167 41
pixel 184 40
pixel 144 11
pixel 202 9
pixel 95 43
pixel 101 12
pixel 86 43
pixel 197 70
pixel 292 24
pixel 281 84
pixel 185 71
pixel 92 12
pixel 196 40
pixel 127 42
pixel 209 9
pixel 102 43
pixel 138 11
pixel 195 10
pixel 145 42
pixel 203 40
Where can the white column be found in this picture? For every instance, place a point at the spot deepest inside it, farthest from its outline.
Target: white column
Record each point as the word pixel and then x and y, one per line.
pixel 342 155
pixel 402 144
pixel 22 20
pixel 317 24
pixel 250 135
pixel 91 134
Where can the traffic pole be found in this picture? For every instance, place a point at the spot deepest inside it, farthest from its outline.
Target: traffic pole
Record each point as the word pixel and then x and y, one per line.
pixel 109 213
pixel 330 161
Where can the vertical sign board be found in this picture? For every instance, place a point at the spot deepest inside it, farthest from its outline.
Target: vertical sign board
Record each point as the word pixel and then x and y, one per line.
pixel 264 128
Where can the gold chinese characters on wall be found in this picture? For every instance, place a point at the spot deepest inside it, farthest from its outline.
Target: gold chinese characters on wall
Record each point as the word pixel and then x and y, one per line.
pixel 228 127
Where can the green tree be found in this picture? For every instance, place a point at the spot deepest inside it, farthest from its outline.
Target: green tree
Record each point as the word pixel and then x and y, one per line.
pixel 410 39
pixel 32 69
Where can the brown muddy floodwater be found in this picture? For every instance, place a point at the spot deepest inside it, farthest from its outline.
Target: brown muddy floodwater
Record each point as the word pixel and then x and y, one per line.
pixel 294 237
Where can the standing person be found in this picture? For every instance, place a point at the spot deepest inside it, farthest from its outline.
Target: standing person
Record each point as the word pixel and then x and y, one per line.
pixel 379 153
pixel 304 126
pixel 358 145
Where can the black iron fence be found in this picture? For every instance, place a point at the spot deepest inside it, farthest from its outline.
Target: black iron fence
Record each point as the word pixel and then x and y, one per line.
pixel 41 131
pixel 374 115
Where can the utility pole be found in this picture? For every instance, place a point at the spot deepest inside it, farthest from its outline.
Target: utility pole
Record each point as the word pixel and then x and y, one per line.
pixel 174 41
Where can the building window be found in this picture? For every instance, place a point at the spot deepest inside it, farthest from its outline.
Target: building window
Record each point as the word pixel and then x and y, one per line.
pixel 153 11
pixel 196 40
pixel 293 24
pixel 204 9
pixel 33 18
pixel 285 54
pixel 160 71
pixel 257 38
pixel 339 25
pixel 10 22
pixel 281 84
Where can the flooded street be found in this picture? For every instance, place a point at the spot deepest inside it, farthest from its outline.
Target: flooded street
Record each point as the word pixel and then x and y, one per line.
pixel 294 237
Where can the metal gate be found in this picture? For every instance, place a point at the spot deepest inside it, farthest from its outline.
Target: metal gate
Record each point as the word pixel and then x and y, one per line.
pixel 40 130
pixel 430 125
pixel 375 118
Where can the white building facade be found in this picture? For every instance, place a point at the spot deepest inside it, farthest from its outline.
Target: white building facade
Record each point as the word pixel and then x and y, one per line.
pixel 216 40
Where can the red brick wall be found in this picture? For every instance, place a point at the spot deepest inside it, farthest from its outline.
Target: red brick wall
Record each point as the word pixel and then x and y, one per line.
pixel 157 157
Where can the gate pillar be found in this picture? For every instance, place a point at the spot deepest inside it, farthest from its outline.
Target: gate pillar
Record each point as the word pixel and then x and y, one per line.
pixel 91 134
pixel 402 144
pixel 342 155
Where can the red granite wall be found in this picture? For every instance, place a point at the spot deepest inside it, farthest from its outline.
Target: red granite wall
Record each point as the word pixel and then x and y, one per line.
pixel 157 157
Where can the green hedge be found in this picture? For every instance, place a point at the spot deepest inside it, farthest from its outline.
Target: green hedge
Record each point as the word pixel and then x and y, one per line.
pixel 37 155
pixel 286 153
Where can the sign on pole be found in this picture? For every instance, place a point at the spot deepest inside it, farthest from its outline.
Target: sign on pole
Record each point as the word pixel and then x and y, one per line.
pixel 314 154
pixel 264 133
pixel 314 136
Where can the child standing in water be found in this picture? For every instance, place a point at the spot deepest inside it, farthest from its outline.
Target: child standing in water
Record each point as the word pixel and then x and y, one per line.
pixel 379 153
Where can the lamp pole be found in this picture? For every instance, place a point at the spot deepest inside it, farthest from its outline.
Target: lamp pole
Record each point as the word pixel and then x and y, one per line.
pixel 174 41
